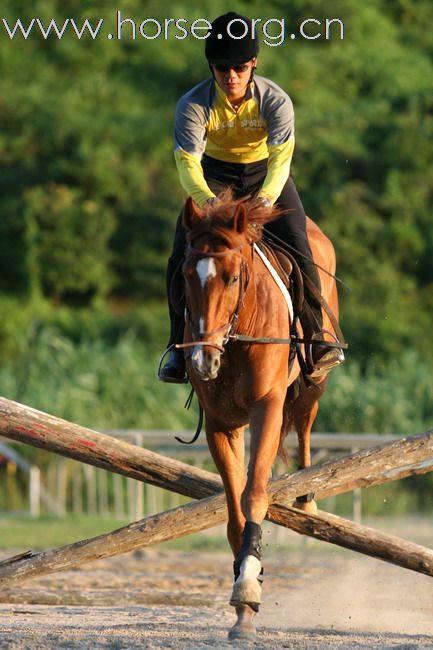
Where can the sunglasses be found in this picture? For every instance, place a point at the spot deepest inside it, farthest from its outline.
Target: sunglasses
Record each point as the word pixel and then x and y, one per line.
pixel 243 67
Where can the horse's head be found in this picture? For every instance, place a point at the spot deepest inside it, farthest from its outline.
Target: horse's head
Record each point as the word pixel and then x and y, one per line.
pixel 217 271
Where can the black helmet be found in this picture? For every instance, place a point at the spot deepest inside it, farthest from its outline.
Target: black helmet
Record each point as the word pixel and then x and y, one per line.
pixel 230 42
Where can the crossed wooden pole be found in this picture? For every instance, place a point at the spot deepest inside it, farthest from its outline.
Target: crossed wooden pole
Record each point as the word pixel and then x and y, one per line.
pixel 405 457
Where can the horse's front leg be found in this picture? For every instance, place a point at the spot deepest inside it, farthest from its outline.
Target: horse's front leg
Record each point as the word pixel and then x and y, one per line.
pixel 228 452
pixel 265 426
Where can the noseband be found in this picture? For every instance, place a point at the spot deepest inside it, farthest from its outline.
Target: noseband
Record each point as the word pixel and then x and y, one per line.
pixel 227 328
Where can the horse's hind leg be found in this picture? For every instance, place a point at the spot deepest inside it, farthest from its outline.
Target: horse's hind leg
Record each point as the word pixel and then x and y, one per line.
pixel 305 410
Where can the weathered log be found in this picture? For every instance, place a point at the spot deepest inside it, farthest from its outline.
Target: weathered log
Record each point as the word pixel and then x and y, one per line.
pixel 45 431
pixel 172 524
pixel 388 462
pixel 339 531
pixel 203 514
pixel 405 457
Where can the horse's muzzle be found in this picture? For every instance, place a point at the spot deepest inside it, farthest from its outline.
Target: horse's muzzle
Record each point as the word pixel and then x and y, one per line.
pixel 206 361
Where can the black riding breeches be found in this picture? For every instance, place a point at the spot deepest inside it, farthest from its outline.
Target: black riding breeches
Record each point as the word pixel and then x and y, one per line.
pixel 290 228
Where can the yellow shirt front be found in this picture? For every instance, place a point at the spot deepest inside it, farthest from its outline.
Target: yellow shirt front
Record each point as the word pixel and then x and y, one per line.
pixel 236 135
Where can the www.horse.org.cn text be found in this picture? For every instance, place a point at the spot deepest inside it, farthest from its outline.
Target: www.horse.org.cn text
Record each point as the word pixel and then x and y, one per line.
pixel 269 31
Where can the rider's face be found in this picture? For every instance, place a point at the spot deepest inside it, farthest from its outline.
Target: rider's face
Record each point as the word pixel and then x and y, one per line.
pixel 234 80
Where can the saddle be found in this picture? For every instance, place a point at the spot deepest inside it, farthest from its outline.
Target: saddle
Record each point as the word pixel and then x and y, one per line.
pixel 294 280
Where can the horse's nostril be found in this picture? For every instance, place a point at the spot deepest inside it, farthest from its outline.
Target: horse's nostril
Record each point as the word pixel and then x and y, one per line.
pixel 213 362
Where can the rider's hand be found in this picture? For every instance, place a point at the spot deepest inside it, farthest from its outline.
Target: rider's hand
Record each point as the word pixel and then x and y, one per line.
pixel 264 201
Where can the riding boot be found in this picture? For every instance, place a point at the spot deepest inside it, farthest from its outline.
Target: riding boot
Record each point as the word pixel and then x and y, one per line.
pixel 291 229
pixel 174 370
pixel 320 356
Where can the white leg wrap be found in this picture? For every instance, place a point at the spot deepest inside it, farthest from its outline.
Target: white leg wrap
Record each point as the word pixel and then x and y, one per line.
pixel 247 589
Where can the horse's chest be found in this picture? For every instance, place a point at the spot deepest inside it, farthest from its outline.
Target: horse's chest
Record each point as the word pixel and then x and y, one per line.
pixel 227 398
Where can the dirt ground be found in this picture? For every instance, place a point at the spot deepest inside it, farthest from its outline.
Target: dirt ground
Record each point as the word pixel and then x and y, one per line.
pixel 315 597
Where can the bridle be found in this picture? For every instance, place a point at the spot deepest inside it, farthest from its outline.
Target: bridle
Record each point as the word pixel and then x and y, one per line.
pixel 203 338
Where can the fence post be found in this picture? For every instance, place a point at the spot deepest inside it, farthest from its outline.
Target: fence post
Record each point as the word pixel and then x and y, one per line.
pixel 77 489
pixel 357 499
pixel 92 505
pixel 35 491
pixel 118 496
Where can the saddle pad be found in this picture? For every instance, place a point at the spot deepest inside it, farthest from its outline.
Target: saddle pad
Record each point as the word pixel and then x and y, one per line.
pixel 277 279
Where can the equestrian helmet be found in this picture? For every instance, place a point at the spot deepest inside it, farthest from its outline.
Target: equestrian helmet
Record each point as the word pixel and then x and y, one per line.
pixel 231 40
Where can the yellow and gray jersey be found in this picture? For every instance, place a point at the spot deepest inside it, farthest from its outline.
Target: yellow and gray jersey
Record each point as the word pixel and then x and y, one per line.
pixel 261 128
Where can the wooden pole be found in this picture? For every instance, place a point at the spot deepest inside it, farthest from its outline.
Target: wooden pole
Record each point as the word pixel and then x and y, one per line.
pixel 356 537
pixel 184 520
pixel 45 431
pixel 203 514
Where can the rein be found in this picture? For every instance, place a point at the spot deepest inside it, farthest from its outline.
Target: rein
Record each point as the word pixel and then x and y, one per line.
pixel 292 339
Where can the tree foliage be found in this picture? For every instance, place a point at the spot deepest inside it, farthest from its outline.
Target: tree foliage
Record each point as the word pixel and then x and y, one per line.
pixel 88 189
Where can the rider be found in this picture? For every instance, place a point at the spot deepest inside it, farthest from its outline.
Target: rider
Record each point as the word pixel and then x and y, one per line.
pixel 237 129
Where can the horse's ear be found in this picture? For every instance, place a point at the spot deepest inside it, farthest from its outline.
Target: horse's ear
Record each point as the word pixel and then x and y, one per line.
pixel 240 218
pixel 192 215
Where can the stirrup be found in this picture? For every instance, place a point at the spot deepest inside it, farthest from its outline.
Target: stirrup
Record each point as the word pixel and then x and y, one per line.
pixel 331 359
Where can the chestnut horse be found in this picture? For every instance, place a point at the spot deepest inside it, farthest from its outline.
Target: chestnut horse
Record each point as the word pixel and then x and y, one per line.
pixel 229 290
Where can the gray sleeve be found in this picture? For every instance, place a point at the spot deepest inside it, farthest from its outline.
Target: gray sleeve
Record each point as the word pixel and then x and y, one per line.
pixel 277 110
pixel 191 119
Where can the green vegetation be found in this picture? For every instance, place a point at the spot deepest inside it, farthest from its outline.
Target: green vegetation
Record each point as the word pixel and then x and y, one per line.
pixel 112 384
pixel 89 193
pixel 89 198
pixel 49 532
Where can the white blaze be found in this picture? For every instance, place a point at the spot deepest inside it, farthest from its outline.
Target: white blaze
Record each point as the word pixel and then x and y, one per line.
pixel 206 269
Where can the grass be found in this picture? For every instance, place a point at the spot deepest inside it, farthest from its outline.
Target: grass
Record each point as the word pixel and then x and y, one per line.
pixel 48 532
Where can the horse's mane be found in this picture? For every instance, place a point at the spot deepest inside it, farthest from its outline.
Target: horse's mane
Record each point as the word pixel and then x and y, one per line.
pixel 217 217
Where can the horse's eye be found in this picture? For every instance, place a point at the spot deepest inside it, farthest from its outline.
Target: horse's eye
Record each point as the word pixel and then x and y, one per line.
pixel 234 279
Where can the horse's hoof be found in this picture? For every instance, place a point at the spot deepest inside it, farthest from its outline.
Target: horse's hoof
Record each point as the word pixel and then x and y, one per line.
pixel 244 629
pixel 242 633
pixel 310 506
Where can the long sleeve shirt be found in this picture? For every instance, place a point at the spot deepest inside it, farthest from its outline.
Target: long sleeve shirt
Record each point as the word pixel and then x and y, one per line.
pixel 261 128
